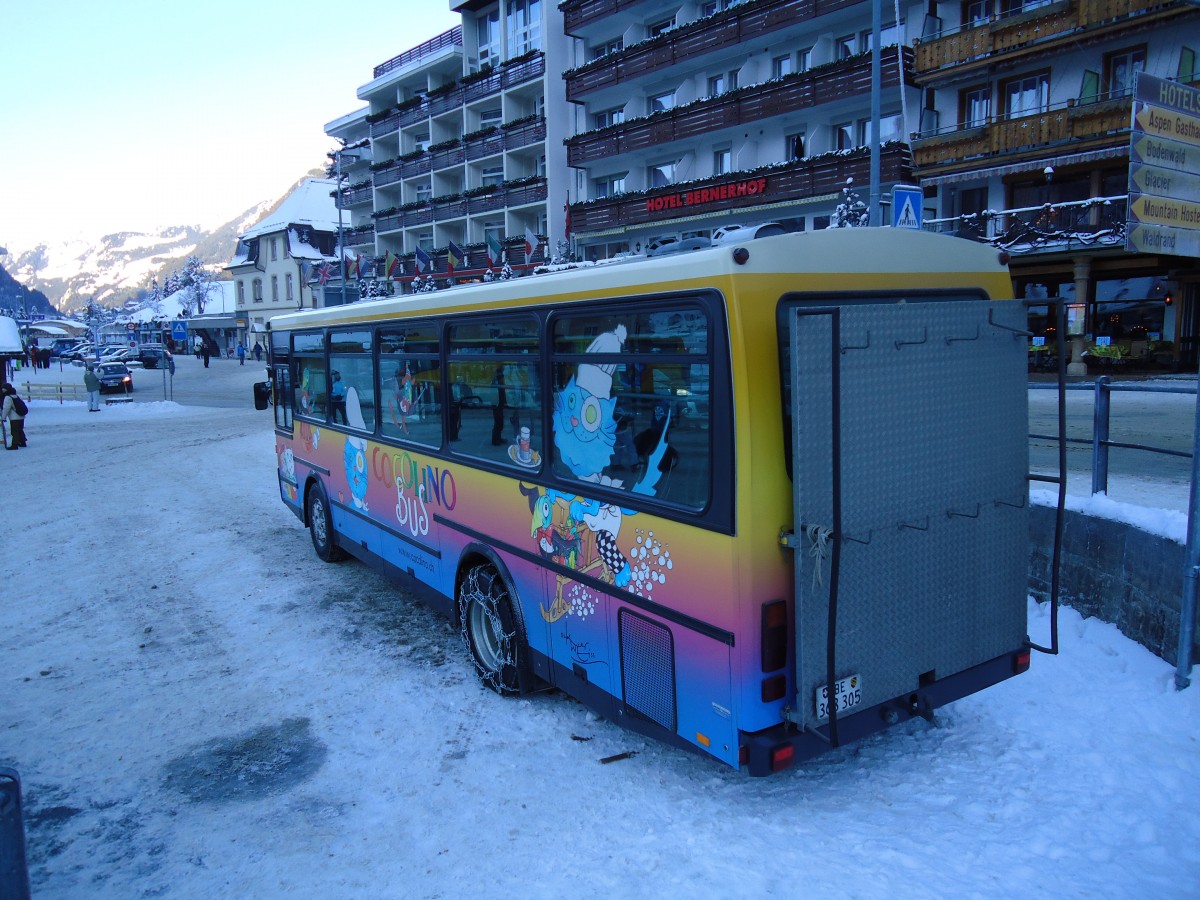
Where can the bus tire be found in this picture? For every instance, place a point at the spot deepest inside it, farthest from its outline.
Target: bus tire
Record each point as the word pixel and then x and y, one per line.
pixel 320 526
pixel 491 631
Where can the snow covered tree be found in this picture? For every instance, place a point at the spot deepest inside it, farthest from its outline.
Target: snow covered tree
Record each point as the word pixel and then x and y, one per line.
pixel 197 285
pixel 851 212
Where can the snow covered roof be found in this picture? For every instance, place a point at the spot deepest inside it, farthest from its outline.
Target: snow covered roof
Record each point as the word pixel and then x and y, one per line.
pixel 222 300
pixel 298 248
pixel 310 204
pixel 10 336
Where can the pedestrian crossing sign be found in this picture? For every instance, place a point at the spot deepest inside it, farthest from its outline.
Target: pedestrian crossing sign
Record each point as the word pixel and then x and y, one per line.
pixel 906 207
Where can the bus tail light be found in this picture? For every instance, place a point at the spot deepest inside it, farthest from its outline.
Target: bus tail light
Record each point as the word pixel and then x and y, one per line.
pixel 1021 662
pixel 774 635
pixel 782 756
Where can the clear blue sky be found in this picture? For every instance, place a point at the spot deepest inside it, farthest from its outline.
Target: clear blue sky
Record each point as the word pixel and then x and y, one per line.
pixel 131 116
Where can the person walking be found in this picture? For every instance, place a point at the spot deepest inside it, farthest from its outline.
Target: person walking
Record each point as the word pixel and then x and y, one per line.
pixel 257 352
pixel 14 418
pixel 241 352
pixel 205 354
pixel 92 383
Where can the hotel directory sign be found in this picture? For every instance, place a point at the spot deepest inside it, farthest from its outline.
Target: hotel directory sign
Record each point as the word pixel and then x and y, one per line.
pixel 1164 169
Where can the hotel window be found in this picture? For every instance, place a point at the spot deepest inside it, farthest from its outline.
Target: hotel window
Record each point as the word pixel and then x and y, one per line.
pixel 845 135
pixel 608 186
pixel 661 102
pixel 976 12
pixel 274 249
pixel 607 47
pixel 489 117
pixel 662 25
pixel 241 293
pixel 488 36
pixel 287 286
pixel 712 7
pixel 491 175
pixel 662 175
pixel 420 142
pixel 257 286
pixel 716 85
pixel 781 65
pixel 607 117
pixel 274 288
pixel 847 46
pixel 794 143
pixel 733 79
pixel 975 106
pixel 524 26
pixel 804 59
pixel 1121 68
pixel 722 161
pixel 424 192
pixel 1027 95
pixel 891 128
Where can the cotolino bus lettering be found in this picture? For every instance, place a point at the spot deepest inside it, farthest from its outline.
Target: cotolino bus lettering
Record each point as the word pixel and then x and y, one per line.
pixel 565 483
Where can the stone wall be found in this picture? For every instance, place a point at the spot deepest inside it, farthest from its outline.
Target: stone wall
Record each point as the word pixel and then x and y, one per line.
pixel 1114 572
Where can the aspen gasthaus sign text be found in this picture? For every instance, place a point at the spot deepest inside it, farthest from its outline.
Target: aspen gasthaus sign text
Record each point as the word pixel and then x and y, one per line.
pixel 1164 169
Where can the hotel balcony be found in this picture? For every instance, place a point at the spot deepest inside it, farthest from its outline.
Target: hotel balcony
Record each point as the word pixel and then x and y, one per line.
pixel 507 75
pixel 795 182
pixel 743 106
pixel 1039 30
pixel 1071 128
pixel 356 195
pixel 359 235
pixel 441 209
pixel 728 28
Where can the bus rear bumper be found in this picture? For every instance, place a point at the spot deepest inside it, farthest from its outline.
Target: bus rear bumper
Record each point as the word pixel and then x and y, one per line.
pixel 775 749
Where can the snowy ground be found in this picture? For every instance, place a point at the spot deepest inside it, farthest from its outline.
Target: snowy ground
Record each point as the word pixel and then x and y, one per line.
pixel 199 708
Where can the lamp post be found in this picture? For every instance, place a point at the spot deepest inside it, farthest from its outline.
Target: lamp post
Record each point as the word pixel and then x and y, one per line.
pixel 353 156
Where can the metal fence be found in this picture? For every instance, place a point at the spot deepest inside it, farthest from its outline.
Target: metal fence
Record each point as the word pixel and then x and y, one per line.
pixel 1101 441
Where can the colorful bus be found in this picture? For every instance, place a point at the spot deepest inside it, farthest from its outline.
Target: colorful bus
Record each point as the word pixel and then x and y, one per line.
pixel 755 500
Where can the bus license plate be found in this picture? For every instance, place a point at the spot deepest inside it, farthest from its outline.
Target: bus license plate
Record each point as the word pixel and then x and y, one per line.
pixel 847 693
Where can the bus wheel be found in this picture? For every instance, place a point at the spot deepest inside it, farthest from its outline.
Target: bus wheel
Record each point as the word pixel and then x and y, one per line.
pixel 491 631
pixel 320 526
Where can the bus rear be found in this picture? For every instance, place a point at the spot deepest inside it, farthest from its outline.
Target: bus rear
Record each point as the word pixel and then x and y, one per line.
pixel 905 422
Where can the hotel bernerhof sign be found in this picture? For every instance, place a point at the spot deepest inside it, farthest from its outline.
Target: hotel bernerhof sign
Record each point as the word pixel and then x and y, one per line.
pixel 1164 169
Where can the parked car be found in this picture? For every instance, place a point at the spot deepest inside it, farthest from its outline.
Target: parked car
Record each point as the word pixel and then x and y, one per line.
pixel 151 355
pixel 115 376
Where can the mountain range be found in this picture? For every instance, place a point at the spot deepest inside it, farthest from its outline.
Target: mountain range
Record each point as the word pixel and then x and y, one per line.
pixel 117 267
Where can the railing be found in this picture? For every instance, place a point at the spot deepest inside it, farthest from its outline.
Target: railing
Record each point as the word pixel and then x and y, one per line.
pixel 1101 443
pixel 451 38
pixel 800 180
pixel 1008 33
pixel 746 105
pixel 59 392
pixel 731 27
pixel 1081 126
pixel 1100 221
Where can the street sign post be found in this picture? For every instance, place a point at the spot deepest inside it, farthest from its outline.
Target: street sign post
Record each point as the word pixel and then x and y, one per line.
pixel 1164 169
pixel 907 202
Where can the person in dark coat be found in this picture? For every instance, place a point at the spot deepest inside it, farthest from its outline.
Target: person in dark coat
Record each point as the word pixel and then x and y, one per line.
pixel 204 353
pixel 8 413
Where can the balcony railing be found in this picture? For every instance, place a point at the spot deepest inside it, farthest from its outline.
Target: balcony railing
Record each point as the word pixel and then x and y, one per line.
pixel 506 76
pixel 356 196
pixel 1080 126
pixel 1099 221
pixel 360 235
pixel 458 206
pixel 451 38
pixel 1029 28
pixel 730 27
pixel 797 181
pixel 743 106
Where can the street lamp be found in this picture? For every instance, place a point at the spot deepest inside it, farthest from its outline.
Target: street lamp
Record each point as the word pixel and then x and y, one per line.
pixel 353 156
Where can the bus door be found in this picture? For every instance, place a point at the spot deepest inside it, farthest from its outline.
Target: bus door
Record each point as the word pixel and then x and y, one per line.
pixel 910 463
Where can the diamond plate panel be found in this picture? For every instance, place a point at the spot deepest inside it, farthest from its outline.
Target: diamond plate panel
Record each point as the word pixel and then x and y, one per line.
pixel 934 458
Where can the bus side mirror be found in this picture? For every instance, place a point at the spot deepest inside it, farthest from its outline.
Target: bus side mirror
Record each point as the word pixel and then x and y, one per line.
pixel 262 394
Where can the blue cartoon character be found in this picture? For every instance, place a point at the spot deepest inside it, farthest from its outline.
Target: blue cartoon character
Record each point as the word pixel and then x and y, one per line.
pixel 585 433
pixel 355 453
